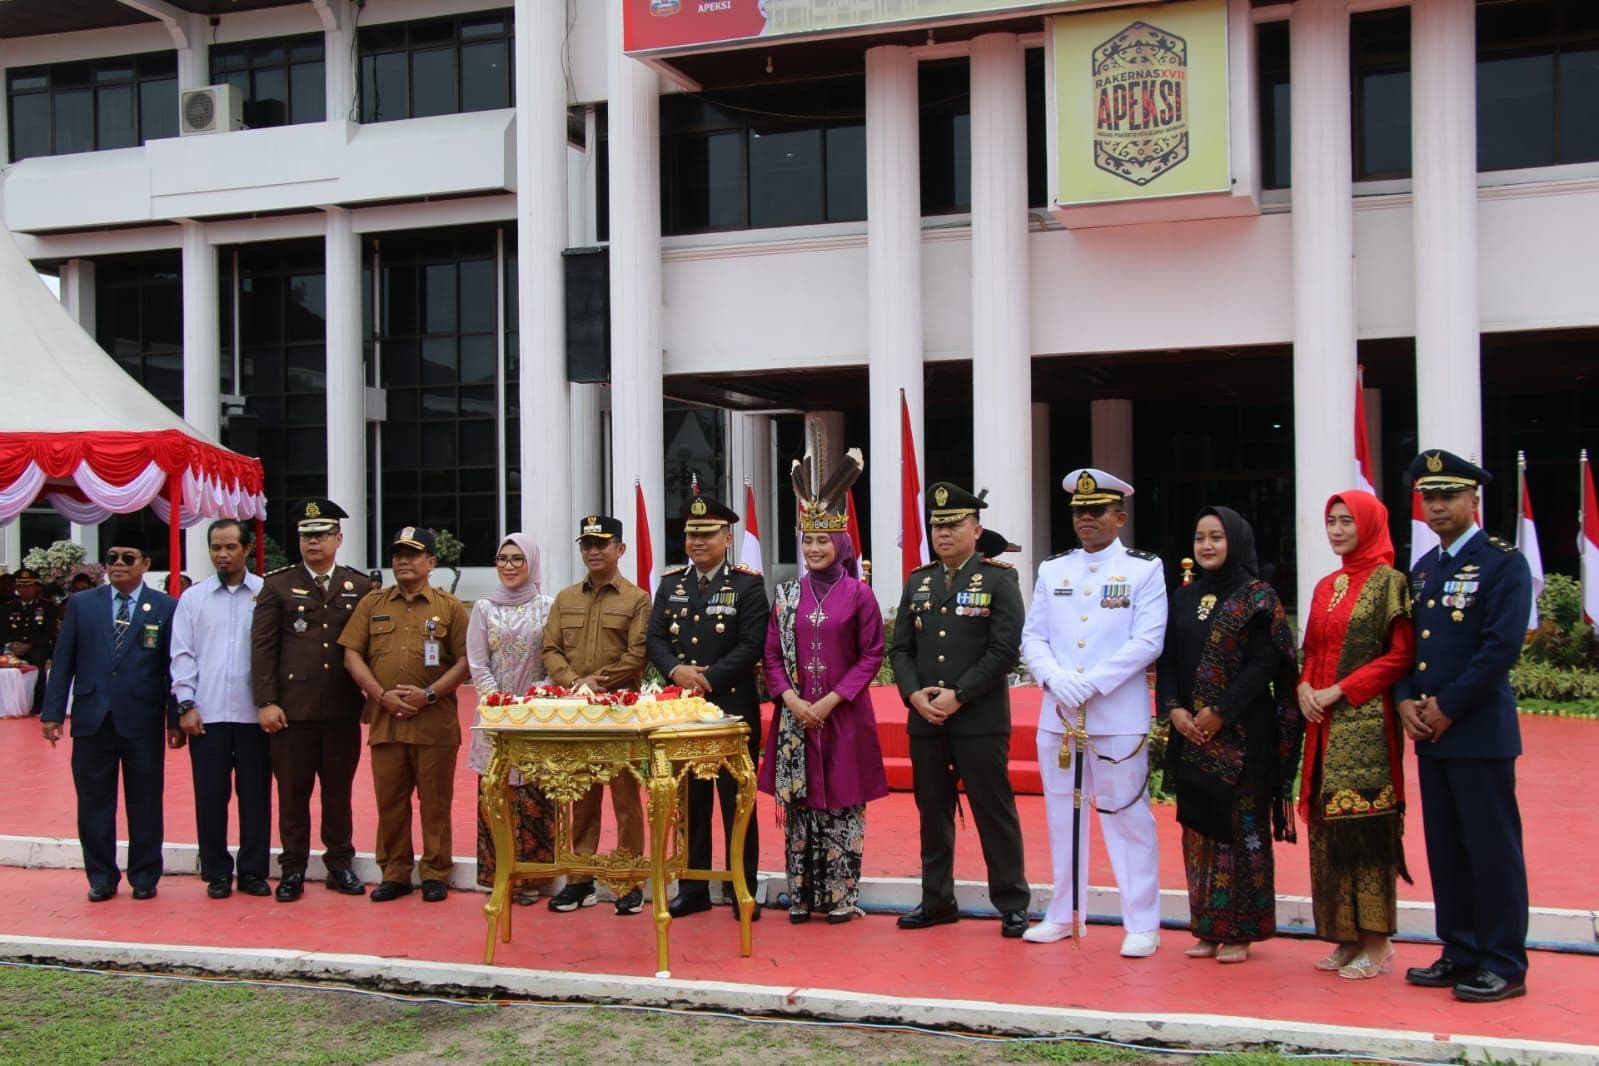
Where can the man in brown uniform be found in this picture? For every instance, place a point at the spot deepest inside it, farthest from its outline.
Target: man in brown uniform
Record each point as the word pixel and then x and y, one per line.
pixel 595 637
pixel 406 648
pixel 306 701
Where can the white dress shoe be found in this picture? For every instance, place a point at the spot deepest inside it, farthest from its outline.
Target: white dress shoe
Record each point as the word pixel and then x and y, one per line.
pixel 1140 945
pixel 1047 933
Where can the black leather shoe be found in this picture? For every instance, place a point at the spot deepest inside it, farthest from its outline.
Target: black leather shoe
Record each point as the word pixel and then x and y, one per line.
pixel 390 890
pixel 221 888
pixel 434 891
pixel 799 917
pixel 755 915
pixel 1445 973
pixel 685 905
pixel 1013 924
pixel 346 882
pixel 144 892
pixel 101 893
pixel 1485 986
pixel 251 885
pixel 921 917
pixel 290 887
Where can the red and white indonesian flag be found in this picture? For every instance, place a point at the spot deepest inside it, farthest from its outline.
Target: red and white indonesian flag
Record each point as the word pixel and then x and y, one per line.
pixel 912 543
pixel 1588 544
pixel 1527 542
pixel 646 554
pixel 749 550
pixel 853 527
pixel 1422 538
pixel 1364 478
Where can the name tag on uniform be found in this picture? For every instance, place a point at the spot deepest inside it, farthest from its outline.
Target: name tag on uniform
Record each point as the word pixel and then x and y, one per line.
pixel 150 638
pixel 430 652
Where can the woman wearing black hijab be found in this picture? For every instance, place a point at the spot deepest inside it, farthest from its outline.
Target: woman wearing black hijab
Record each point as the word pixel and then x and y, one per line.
pixel 1227 682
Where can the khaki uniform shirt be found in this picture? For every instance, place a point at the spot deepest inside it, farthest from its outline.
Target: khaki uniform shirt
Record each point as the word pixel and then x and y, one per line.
pixel 597 631
pixel 389 631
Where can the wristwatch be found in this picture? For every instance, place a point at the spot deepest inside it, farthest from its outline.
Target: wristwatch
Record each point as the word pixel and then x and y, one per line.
pixel 186 706
pixel 433 697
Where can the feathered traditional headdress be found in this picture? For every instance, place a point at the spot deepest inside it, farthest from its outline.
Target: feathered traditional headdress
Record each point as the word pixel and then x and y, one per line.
pixel 822 493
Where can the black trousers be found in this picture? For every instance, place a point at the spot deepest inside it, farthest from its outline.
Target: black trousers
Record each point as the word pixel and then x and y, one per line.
pixel 1474 855
pixel 702 796
pixel 938 764
pixel 231 757
pixel 97 762
pixel 303 755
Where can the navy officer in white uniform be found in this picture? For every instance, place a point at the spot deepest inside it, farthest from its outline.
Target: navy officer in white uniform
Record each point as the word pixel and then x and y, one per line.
pixel 1097 622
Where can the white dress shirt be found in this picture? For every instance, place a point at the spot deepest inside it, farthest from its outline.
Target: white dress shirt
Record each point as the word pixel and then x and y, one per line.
pixel 211 649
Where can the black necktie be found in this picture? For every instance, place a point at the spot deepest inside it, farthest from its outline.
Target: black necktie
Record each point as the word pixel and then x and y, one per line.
pixel 124 619
pixel 949 576
pixel 705 583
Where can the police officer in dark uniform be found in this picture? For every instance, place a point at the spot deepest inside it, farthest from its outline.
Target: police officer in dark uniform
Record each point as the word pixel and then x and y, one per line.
pixel 307 701
pixel 707 632
pixel 1472 596
pixel 956 638
pixel 28 625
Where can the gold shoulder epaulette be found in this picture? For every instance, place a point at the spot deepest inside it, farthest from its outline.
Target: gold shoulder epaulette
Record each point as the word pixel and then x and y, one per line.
pixel 279 570
pixel 1002 564
pixel 674 571
pixel 1059 555
pixel 1502 544
pixel 1140 553
pixel 741 568
pixel 927 565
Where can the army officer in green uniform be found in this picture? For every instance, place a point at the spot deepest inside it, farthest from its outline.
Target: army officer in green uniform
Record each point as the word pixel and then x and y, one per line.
pixel 956 638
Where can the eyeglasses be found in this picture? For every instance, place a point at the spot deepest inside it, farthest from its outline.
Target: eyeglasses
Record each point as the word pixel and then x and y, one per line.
pixel 510 560
pixel 125 558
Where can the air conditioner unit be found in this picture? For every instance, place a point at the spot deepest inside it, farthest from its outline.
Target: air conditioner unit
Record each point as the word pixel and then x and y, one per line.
pixel 214 109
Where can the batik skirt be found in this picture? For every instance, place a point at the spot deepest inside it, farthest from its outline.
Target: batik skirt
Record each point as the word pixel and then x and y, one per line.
pixel 1232 895
pixel 532 829
pixel 824 857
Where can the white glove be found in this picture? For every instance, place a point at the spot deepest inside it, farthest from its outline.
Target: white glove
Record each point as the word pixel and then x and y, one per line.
pixel 1072 690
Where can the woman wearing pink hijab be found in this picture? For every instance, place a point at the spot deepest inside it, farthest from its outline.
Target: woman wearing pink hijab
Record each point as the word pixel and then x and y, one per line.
pixel 503 639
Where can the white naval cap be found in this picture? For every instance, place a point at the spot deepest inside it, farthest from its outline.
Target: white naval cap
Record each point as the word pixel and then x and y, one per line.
pixel 1092 488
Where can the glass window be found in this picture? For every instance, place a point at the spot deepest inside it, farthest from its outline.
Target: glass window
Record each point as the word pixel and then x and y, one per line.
pixel 281 78
pixel 784 155
pixel 1379 56
pixel 946 145
pixel 438 66
pixel 92 105
pixel 1537 79
pixel 1276 131
pixel 1037 149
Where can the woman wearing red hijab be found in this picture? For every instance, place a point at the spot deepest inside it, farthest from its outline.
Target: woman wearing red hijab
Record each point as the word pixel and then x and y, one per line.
pixel 1358 642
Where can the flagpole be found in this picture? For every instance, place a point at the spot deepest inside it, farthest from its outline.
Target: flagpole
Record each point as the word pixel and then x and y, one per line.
pixel 1583 478
pixel 1521 486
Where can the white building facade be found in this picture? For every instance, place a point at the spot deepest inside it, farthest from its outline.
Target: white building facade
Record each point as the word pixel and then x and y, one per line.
pixel 400 284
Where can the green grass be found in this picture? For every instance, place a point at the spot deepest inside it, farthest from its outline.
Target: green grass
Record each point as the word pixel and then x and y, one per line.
pixel 1559 708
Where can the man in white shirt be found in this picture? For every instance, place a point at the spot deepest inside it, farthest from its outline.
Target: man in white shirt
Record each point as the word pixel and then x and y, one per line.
pixel 228 750
pixel 1097 621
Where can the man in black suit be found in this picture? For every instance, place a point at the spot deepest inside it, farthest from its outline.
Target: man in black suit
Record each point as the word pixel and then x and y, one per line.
pixel 707 633
pixel 957 636
pixel 1472 596
pixel 115 644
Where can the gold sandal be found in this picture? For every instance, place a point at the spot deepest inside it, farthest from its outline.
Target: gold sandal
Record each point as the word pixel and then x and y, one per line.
pixel 1201 949
pixel 1341 956
pixel 1366 967
pixel 1227 953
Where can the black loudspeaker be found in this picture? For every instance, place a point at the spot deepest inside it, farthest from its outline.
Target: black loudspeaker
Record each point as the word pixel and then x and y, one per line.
pixel 588 315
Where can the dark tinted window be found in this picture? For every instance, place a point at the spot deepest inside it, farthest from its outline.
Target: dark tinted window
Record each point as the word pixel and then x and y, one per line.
pixel 283 79
pixel 1379 78
pixel 1537 83
pixel 440 66
pixel 946 129
pixel 1276 134
pixel 92 105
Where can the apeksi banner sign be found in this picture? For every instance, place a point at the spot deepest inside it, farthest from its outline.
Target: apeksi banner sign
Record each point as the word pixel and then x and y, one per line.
pixel 1141 103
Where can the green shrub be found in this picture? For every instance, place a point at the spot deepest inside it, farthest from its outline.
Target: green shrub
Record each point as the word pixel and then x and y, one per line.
pixel 1544 681
pixel 1561 602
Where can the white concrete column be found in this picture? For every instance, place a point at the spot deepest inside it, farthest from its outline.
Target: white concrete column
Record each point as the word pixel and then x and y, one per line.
pixel 346 382
pixel 548 512
pixel 1044 483
pixel 586 407
pixel 1324 290
pixel 1002 382
pixel 636 431
pixel 1443 80
pixel 11 545
pixel 339 81
pixel 194 62
pixel 894 296
pixel 1110 429
pixel 202 365
pixel 77 296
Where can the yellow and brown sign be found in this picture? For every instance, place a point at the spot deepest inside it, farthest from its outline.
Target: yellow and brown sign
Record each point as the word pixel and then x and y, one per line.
pixel 1141 103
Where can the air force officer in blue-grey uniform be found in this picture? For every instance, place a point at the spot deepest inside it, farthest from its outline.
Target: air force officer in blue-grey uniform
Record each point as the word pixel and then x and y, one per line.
pixel 1472 597
pixel 115 644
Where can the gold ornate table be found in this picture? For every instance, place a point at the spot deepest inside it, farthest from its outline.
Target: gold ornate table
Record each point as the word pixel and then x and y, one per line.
pixel 565 763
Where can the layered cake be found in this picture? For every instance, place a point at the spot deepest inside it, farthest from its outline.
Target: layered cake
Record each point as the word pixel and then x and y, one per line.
pixel 554 707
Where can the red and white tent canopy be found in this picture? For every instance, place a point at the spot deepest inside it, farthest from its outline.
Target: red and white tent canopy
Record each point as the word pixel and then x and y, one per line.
pixel 87 438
